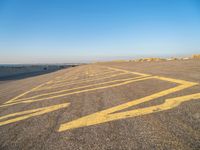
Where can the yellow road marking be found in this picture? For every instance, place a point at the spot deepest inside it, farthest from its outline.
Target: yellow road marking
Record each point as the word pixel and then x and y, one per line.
pixel 80 81
pixel 13 99
pixel 104 73
pixel 76 92
pixel 30 113
pixel 106 116
pixel 64 80
pixel 68 79
pixel 33 89
pixel 156 77
pixel 132 72
pixel 61 91
pixel 96 77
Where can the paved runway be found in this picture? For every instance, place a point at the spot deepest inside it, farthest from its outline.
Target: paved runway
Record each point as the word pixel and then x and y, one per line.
pixel 119 105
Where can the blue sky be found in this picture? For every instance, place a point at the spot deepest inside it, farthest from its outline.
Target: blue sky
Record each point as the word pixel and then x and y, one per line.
pixel 56 31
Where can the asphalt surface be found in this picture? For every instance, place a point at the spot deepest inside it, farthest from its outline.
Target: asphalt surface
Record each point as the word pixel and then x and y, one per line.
pixel 119 105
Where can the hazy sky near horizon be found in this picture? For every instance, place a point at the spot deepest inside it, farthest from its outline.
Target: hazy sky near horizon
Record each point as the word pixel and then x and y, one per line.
pixel 61 31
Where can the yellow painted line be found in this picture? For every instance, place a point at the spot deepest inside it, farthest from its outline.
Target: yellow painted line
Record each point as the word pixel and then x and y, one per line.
pixel 30 113
pixel 104 73
pixel 175 80
pixel 135 73
pixel 77 92
pixel 67 76
pixel 13 99
pixel 76 88
pixel 68 79
pixel 77 80
pixel 33 89
pixel 81 81
pixel 110 115
pixel 157 77
pixel 110 71
pixel 106 116
pixel 85 80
